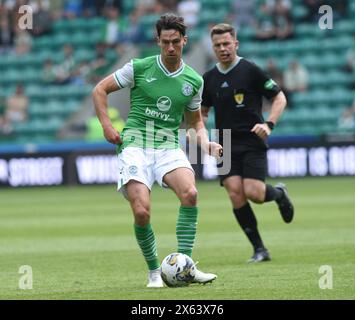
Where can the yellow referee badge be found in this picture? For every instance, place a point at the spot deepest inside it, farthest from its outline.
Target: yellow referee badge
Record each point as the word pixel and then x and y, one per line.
pixel 239 98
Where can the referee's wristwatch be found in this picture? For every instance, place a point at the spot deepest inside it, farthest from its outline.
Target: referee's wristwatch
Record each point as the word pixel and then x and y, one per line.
pixel 270 124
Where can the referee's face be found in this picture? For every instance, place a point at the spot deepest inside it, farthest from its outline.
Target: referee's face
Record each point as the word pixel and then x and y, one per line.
pixel 225 47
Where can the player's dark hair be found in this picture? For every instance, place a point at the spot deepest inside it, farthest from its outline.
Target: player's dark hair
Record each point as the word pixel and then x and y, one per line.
pixel 222 28
pixel 171 21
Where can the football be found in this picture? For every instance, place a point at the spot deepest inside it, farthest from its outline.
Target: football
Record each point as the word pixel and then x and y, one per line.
pixel 177 270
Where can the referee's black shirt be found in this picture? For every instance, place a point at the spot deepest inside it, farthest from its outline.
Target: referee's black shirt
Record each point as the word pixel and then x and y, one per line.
pixel 236 96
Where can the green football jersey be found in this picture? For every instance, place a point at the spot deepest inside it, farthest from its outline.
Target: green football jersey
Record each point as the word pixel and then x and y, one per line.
pixel 158 101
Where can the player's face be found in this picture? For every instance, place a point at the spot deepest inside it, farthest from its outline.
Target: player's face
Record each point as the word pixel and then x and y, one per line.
pixel 225 47
pixel 171 43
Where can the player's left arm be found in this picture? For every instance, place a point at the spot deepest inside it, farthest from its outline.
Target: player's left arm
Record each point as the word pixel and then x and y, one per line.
pixel 269 89
pixel 197 133
pixel 263 130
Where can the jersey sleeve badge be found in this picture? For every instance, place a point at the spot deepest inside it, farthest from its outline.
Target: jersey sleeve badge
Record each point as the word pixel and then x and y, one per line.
pixel 187 89
pixel 270 84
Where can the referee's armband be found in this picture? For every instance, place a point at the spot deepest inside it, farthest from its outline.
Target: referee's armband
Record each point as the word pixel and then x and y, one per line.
pixel 270 124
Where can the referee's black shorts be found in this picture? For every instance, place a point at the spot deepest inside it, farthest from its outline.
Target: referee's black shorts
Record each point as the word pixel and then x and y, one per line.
pixel 248 163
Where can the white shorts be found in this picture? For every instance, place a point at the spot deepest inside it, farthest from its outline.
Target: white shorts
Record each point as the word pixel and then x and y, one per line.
pixel 148 165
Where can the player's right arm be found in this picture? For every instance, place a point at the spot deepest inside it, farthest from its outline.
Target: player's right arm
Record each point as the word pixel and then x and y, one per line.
pixel 99 95
pixel 204 112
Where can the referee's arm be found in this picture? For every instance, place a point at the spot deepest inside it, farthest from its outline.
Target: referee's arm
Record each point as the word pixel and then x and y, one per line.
pixel 263 130
pixel 278 105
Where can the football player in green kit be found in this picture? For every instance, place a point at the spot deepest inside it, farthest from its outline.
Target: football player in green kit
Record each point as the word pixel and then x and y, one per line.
pixel 163 91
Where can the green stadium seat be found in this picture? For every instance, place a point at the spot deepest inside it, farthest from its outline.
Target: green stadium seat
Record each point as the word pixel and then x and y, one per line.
pixel 44 54
pixel 61 39
pixel 215 4
pixel 112 56
pixel 352 7
pixel 249 49
pixel 84 55
pixel 195 34
pixel 212 16
pixel 340 78
pixel 61 26
pixel 148 51
pixel 29 75
pixel 246 33
pixel 310 129
pixel 325 128
pixel 318 79
pixel 341 96
pixel 299 12
pixel 128 6
pixel 286 129
pixel 306 30
pixel 337 44
pixel 44 42
pixel 148 21
pixel 344 26
pixel 325 114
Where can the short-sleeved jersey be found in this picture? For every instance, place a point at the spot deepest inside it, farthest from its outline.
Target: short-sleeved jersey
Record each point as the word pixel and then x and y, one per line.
pixel 158 101
pixel 236 95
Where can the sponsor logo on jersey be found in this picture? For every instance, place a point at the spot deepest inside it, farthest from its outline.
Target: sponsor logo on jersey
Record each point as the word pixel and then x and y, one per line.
pixel 164 104
pixel 187 89
pixel 225 84
pixel 239 98
pixel 270 84
pixel 157 114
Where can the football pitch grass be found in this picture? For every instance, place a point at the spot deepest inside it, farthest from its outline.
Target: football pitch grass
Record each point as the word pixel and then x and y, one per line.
pixel 80 244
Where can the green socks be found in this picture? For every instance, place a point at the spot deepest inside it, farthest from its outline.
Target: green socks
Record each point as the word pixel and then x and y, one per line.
pixel 146 241
pixel 185 232
pixel 186 229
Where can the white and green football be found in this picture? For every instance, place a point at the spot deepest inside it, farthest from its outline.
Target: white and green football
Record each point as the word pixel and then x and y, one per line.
pixel 177 270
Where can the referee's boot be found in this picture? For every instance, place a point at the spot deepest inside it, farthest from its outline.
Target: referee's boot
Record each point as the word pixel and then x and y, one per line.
pixel 284 203
pixel 260 255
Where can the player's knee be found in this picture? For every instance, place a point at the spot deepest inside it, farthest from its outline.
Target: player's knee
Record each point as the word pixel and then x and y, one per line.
pixel 189 196
pixel 141 216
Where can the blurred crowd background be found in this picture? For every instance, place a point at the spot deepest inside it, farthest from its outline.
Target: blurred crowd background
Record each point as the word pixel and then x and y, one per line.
pixel 47 73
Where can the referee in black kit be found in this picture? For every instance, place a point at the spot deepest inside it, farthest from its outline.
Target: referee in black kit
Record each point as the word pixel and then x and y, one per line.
pixel 235 88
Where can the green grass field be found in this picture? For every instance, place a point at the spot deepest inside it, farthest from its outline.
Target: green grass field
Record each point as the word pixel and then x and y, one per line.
pixel 79 242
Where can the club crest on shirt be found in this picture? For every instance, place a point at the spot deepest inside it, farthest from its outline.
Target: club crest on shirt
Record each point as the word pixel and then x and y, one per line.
pixel 239 98
pixel 133 170
pixel 187 89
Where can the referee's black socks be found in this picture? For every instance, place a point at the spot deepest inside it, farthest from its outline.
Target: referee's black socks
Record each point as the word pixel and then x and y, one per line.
pixel 247 221
pixel 272 193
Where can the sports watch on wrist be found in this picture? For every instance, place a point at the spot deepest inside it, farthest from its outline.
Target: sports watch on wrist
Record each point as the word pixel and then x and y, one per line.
pixel 270 124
